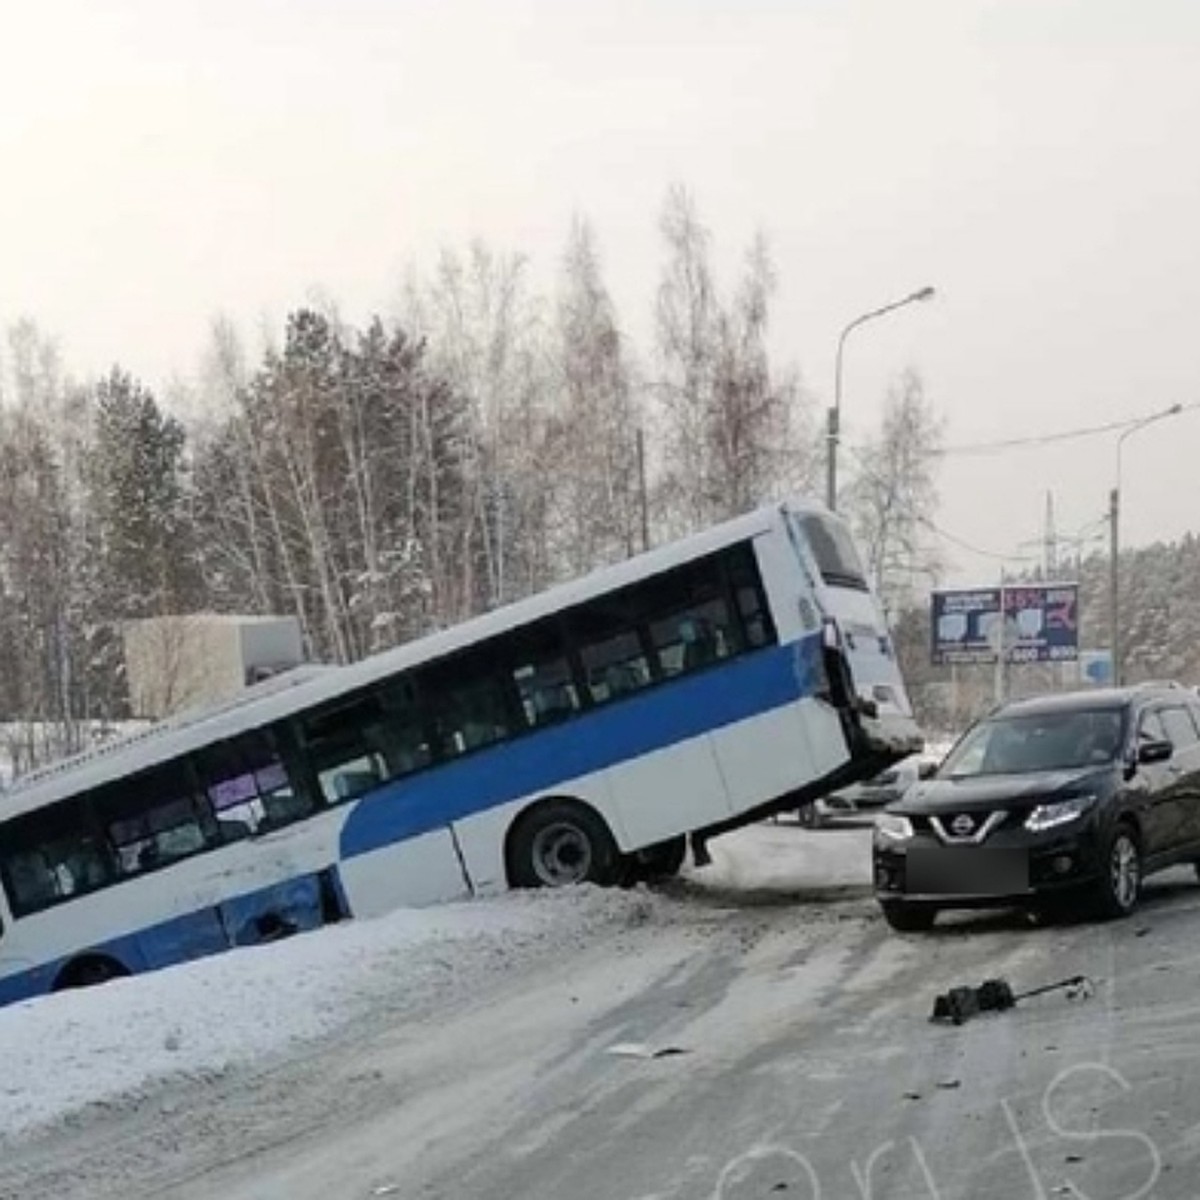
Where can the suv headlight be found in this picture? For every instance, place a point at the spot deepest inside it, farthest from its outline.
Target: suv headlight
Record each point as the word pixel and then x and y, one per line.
pixel 894 827
pixel 1047 816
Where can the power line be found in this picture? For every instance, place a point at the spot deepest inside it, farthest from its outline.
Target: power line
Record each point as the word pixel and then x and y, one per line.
pixel 1047 439
pixel 965 545
pixel 1008 444
pixel 931 525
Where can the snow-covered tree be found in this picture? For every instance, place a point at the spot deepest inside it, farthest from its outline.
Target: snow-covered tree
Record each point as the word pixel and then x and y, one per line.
pixel 594 453
pixel 136 498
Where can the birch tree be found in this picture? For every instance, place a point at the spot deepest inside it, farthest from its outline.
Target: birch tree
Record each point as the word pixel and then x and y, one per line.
pixel 686 321
pixel 487 339
pixel 893 496
pixel 597 419
pixel 733 432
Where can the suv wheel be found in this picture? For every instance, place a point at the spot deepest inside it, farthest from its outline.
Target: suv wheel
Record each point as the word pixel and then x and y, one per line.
pixel 1120 886
pixel 905 918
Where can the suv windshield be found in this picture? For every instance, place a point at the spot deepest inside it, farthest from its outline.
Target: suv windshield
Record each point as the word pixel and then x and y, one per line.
pixel 1037 742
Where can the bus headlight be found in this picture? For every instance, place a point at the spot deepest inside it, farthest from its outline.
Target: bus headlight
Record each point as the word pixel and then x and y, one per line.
pixel 893 827
pixel 1047 816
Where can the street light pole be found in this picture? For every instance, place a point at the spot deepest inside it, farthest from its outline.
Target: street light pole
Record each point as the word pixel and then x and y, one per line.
pixel 1114 520
pixel 834 415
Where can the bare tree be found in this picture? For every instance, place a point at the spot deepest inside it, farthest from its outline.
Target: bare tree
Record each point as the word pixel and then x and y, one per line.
pixel 894 493
pixel 596 424
pixel 755 422
pixel 487 338
pixel 687 318
pixel 735 434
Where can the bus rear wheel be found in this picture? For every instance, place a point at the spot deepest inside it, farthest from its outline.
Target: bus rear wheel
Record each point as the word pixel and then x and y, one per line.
pixel 560 843
pixel 89 971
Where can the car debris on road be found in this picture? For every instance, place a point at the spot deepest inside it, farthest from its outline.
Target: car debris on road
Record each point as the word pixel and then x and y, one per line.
pixel 959 1004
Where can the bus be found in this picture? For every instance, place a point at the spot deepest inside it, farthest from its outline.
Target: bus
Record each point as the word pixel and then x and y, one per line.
pixel 579 735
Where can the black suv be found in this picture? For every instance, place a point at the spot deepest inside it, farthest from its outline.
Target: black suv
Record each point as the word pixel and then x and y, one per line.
pixel 1058 800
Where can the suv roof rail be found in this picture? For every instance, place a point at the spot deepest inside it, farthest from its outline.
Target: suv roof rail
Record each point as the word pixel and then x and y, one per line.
pixel 1165 685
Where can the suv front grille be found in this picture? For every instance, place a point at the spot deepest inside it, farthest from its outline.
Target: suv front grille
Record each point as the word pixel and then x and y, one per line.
pixel 966 828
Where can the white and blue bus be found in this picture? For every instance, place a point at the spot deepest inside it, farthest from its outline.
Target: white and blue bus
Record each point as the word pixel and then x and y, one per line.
pixel 578 735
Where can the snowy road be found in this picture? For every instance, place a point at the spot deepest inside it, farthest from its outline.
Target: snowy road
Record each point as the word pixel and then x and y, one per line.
pixel 808 1066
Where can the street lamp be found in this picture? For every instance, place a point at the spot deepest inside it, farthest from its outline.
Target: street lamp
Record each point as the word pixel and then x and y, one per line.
pixel 1114 517
pixel 834 415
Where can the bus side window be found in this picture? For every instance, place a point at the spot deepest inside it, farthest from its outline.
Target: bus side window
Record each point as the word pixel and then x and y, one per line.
pixel 742 571
pixel 693 626
pixel 152 819
pixel 248 786
pixel 468 704
pixel 541 672
pixel 408 747
pixel 610 648
pixel 346 746
pixel 52 855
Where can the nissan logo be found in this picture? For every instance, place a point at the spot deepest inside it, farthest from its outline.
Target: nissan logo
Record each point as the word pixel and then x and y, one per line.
pixel 962 825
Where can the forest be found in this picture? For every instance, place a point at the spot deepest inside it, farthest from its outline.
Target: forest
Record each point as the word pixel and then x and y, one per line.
pixel 380 480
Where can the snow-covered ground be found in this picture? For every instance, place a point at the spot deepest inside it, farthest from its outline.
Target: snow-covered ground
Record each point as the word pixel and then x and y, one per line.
pixel 786 858
pixel 252 1006
pixel 71 1049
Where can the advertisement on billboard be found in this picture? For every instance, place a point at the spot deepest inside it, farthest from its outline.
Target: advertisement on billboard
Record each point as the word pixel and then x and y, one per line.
pixel 1029 622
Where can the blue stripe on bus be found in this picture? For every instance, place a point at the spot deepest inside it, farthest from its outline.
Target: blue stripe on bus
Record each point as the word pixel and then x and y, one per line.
pixel 294 903
pixel 652 720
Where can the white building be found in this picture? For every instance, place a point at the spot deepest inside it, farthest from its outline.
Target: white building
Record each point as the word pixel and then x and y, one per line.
pixel 175 663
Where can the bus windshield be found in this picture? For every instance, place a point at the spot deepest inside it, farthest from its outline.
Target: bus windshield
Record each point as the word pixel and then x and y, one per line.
pixel 832 547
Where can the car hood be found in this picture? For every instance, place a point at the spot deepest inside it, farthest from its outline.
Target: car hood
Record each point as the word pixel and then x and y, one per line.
pixel 984 792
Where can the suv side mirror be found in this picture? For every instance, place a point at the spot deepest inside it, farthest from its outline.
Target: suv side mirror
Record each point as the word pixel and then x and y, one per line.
pixel 1155 752
pixel 927 770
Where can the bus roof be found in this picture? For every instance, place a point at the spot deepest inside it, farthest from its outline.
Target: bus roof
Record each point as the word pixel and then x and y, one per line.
pixel 306 687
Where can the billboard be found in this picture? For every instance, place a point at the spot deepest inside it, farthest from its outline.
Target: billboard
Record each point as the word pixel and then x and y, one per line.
pixel 1031 622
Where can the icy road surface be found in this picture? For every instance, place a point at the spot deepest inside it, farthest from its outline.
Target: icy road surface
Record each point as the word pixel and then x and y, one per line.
pixel 511 1049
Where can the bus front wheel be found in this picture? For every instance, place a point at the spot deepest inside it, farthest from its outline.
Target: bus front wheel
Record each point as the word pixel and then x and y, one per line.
pixel 559 843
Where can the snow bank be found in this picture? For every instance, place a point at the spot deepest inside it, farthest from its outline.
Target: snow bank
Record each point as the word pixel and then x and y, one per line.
pixel 63 1052
pixel 787 857
pixel 119 1042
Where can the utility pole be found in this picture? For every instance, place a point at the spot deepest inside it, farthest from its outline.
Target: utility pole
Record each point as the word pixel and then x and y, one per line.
pixel 643 496
pixel 1050 554
pixel 1050 575
pixel 833 418
pixel 1114 518
pixel 1114 584
pixel 1001 646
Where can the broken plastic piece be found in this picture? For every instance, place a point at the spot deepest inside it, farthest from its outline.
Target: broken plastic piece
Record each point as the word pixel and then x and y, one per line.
pixel 641 1050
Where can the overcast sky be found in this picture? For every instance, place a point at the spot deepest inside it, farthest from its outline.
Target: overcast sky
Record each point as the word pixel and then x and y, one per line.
pixel 1035 160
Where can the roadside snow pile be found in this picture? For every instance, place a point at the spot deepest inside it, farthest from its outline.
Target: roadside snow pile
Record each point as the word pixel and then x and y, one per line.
pixel 63 1052
pixel 785 857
